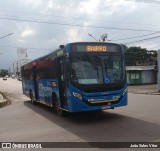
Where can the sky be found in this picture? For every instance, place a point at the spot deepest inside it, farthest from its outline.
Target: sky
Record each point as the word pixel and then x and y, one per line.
pixel 40 26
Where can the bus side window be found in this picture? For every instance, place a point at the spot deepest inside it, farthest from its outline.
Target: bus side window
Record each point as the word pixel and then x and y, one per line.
pixel 26 75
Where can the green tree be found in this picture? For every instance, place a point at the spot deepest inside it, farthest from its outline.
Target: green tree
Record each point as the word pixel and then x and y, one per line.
pixel 152 57
pixel 3 72
pixel 139 56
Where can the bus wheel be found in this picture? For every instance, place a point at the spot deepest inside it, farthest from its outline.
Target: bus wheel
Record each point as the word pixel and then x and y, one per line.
pixel 32 99
pixel 56 107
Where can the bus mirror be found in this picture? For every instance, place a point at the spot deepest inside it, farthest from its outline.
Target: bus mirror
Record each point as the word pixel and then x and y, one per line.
pixel 61 46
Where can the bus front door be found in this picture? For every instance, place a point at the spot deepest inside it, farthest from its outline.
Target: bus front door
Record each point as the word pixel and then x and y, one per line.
pixel 61 81
pixel 34 78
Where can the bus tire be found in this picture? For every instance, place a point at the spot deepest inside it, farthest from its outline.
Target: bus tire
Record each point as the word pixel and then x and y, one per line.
pixel 32 99
pixel 56 106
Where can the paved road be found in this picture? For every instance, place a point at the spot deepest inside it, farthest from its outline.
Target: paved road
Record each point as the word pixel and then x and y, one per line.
pixel 21 121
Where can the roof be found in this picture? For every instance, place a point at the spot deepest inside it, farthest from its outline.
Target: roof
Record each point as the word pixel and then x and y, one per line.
pixel 140 67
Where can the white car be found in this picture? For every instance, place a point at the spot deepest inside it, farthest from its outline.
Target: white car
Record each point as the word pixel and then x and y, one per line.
pixel 13 76
pixel 4 78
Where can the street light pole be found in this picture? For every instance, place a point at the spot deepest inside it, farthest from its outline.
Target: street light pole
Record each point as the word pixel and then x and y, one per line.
pixel 6 35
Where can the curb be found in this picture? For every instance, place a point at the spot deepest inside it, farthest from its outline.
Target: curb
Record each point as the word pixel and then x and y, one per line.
pixel 3 102
pixel 149 93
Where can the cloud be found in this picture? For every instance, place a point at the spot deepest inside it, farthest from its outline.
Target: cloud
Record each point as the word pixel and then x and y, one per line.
pixel 73 35
pixel 52 44
pixel 26 33
pixel 97 13
pixel 50 4
pixel 88 6
pixel 32 2
pixel 20 40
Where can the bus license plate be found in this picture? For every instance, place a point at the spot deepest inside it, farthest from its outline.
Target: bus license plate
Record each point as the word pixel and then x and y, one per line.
pixel 106 107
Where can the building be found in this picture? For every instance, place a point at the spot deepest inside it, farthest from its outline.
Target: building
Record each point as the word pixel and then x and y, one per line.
pixel 141 75
pixel 22 59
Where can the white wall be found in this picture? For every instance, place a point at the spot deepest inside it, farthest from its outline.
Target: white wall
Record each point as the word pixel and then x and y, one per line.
pixel 22 57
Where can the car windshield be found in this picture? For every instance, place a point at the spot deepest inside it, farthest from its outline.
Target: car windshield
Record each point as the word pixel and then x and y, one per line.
pixel 97 68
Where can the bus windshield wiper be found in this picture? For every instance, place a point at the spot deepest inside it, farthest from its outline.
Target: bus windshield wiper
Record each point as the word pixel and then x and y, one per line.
pixel 91 60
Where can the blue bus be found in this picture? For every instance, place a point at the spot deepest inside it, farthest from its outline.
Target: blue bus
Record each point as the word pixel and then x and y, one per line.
pixel 78 77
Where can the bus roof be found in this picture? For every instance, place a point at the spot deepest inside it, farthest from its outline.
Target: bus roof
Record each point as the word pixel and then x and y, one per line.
pixel 65 46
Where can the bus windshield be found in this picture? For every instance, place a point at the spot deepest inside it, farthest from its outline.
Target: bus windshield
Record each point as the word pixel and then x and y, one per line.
pixel 97 68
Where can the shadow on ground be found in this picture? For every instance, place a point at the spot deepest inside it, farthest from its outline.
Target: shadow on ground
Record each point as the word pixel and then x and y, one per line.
pixel 102 126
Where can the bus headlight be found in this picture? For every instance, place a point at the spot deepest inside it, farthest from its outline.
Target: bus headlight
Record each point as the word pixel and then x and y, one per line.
pixel 125 91
pixel 77 95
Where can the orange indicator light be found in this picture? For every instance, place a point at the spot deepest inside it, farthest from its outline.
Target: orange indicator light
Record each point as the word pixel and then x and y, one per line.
pixel 54 84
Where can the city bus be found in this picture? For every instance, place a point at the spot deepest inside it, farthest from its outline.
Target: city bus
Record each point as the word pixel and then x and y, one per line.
pixel 78 77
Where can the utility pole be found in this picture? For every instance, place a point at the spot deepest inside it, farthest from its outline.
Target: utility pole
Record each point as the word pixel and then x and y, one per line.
pixel 0 66
pixel 15 71
pixel 9 71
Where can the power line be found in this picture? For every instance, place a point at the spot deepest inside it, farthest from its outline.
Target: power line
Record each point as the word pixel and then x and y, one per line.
pixel 77 18
pixel 135 36
pixel 146 1
pixel 155 46
pixel 77 25
pixel 25 47
pixel 143 40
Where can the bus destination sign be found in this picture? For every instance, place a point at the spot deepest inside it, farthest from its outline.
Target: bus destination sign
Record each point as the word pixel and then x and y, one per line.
pixel 89 47
pixel 96 48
